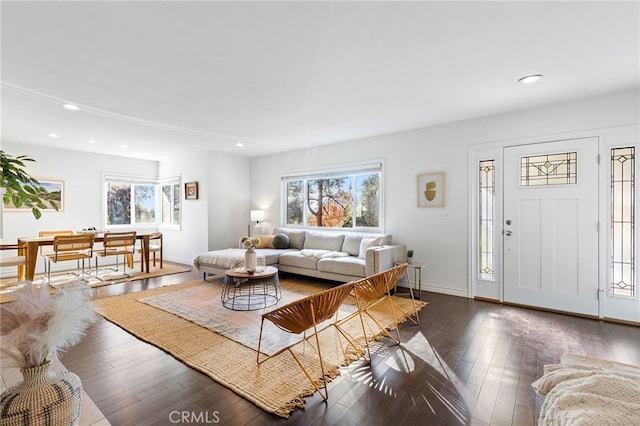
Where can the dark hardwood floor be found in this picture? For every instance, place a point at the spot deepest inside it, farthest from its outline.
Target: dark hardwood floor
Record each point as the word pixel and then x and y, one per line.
pixel 467 363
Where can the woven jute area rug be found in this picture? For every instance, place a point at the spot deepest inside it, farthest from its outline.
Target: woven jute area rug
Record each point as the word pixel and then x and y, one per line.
pixel 108 277
pixel 201 304
pixel 278 385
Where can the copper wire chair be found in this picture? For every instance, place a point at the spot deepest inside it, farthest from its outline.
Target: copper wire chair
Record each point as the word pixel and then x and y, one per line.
pixel 374 290
pixel 305 314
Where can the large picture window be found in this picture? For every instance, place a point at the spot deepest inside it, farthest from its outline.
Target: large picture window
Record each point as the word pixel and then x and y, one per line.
pixel 341 198
pixel 140 202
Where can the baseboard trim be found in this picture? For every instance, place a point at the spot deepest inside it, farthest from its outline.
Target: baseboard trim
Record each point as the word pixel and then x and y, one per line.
pixel 445 290
pixel 621 321
pixel 487 299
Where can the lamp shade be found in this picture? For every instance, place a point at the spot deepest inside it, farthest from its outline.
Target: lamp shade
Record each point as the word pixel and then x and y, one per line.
pixel 257 215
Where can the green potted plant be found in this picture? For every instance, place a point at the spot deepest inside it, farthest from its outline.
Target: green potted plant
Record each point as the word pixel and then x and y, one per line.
pixel 409 256
pixel 21 189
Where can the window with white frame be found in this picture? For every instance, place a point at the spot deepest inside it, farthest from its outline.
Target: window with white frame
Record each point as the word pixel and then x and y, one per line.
pixel 349 197
pixel 170 202
pixel 622 262
pixel 141 202
pixel 486 220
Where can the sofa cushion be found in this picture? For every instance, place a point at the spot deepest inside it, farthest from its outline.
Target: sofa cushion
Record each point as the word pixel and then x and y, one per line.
pixel 367 243
pixel 350 265
pixel 296 237
pixel 280 241
pixel 386 239
pixel 352 241
pixel 294 258
pixel 266 241
pixel 323 241
pixel 351 244
pixel 271 256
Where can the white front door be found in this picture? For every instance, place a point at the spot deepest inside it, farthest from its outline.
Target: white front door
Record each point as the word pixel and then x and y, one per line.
pixel 550 229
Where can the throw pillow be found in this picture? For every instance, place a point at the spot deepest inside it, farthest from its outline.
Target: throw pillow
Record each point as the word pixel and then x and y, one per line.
pixel 351 244
pixel 266 241
pixel 366 244
pixel 280 241
pixel 296 237
pixel 323 241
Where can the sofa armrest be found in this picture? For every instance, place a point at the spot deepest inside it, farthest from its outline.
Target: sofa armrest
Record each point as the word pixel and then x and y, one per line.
pixel 378 259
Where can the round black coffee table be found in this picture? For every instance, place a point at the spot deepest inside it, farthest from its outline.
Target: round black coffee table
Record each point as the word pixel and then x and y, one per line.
pixel 242 291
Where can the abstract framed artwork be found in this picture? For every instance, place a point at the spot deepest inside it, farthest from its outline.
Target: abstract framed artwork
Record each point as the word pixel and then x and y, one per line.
pixel 191 191
pixel 55 187
pixel 431 189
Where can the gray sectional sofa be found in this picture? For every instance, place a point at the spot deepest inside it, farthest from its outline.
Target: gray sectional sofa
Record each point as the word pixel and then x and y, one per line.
pixel 330 255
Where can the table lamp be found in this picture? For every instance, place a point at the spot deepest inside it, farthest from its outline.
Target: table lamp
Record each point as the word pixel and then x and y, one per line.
pixel 257 216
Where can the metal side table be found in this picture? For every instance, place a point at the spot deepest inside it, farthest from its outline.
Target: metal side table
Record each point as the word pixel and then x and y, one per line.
pixel 416 267
pixel 242 291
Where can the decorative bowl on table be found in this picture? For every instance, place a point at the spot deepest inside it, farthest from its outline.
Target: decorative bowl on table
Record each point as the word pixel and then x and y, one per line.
pixel 89 231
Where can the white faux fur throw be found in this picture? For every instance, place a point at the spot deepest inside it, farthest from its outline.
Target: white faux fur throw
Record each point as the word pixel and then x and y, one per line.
pixel 323 254
pixel 589 393
pixel 223 259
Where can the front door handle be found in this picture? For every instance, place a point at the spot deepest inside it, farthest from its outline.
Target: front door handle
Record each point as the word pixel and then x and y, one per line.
pixel 507 233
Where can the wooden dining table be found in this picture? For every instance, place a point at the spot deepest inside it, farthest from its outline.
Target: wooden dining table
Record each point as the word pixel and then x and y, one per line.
pixel 30 246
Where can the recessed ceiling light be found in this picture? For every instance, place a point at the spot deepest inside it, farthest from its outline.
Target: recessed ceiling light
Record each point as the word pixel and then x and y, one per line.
pixel 124 146
pixel 239 144
pixel 70 107
pixel 528 79
pixel 91 141
pixel 53 135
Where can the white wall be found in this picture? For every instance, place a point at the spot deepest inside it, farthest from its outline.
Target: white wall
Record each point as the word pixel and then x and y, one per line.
pixel 438 236
pixel 220 214
pixel 180 245
pixel 229 199
pixel 82 176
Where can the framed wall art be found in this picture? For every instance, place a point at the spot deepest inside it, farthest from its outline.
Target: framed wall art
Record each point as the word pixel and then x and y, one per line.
pixel 191 191
pixel 431 189
pixel 55 187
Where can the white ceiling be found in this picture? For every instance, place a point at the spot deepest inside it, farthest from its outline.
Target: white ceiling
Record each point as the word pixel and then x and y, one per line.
pixel 168 78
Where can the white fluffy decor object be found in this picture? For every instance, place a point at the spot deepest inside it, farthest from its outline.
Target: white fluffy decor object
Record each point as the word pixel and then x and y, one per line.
pixel 38 325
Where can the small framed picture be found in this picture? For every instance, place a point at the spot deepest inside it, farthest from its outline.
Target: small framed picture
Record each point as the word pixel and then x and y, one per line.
pixel 191 191
pixel 431 189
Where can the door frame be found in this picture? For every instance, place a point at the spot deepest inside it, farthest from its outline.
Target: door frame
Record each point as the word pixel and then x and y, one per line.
pixel 559 269
pixel 625 310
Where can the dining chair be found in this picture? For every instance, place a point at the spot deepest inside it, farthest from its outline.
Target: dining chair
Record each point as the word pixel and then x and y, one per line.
pixel 116 244
pixel 155 246
pixel 70 247
pixel 305 314
pixel 45 250
pixel 15 260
